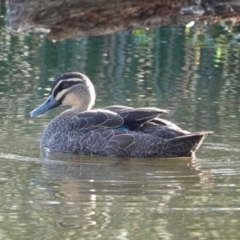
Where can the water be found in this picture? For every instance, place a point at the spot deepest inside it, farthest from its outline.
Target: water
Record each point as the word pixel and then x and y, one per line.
pixel 193 72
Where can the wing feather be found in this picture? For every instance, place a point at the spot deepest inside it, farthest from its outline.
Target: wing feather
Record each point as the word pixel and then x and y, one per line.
pixel 134 118
pixel 119 145
pixel 96 118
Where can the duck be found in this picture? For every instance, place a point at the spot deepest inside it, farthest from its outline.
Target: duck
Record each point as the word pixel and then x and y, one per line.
pixel 115 130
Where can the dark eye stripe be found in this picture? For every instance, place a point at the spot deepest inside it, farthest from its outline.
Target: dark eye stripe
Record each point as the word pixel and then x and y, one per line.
pixel 66 76
pixel 65 85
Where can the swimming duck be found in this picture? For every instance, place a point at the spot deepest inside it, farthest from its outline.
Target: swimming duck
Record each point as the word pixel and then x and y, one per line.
pixel 111 131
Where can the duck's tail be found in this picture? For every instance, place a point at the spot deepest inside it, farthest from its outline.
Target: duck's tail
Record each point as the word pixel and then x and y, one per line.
pixel 185 146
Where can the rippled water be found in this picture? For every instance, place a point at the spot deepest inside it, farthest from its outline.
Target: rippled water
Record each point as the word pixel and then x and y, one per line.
pixel 193 72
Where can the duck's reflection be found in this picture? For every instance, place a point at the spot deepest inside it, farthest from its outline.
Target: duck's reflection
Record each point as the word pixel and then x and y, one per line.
pixel 111 191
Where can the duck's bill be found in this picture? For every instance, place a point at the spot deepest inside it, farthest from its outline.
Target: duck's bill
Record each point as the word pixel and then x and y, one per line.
pixel 47 105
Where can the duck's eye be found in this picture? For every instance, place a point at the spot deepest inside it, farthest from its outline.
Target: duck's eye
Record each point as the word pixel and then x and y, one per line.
pixel 65 85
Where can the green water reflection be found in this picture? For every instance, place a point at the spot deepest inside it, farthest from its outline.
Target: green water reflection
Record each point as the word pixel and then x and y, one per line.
pixel 194 72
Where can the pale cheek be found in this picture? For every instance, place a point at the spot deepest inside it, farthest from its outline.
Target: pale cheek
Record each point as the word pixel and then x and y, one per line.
pixel 70 100
pixel 60 94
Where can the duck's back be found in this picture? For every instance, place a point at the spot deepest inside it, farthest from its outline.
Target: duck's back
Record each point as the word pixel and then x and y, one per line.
pixel 108 133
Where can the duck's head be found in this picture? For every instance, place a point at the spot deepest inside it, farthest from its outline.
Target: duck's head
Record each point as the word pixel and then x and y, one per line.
pixel 74 89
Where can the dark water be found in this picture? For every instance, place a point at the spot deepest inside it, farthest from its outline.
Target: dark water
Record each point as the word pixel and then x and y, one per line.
pixel 193 72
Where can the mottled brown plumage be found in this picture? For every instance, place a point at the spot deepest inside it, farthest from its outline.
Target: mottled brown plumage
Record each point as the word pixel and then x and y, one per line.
pixel 111 131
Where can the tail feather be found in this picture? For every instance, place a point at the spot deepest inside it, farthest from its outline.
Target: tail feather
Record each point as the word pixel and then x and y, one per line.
pixel 185 146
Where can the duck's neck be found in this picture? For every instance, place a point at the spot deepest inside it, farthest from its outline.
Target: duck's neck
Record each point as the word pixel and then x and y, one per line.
pixel 75 110
pixel 80 104
pixel 70 113
pixel 78 109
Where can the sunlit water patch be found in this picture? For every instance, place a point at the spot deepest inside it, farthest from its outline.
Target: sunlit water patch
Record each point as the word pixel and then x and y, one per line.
pixel 191 71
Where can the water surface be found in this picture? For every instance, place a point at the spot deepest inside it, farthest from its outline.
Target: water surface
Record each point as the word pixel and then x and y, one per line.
pixel 193 72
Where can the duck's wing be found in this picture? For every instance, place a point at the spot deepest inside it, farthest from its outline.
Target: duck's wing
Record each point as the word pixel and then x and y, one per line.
pixel 96 118
pixel 117 108
pixel 136 117
pixel 166 123
pixel 163 129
